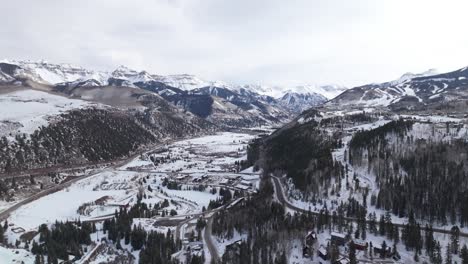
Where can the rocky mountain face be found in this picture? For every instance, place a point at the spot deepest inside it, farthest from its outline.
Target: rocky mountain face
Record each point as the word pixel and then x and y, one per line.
pixel 415 92
pixel 298 102
pixel 217 102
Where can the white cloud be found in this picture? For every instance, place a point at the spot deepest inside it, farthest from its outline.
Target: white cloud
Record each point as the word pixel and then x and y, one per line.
pixel 271 41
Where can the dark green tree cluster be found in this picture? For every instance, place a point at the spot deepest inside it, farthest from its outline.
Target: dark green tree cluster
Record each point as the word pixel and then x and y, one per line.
pixel 225 198
pixel 62 240
pixel 87 135
pixel 422 176
pixel 157 248
pixel 304 153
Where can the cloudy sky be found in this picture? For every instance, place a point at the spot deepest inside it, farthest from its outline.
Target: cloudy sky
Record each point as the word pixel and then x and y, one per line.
pixel 347 42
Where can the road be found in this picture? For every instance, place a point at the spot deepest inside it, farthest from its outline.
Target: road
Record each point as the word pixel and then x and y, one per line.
pixel 209 242
pixel 207 234
pixel 113 164
pixel 282 199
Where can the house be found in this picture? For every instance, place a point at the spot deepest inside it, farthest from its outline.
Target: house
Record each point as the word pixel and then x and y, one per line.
pixel 224 181
pixel 338 238
pixel 310 238
pixel 360 244
pixel 322 253
pixel 385 252
pixel 197 179
pixel 196 246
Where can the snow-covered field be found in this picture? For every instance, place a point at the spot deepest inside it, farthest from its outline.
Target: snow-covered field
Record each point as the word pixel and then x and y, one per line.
pixel 15 256
pixel 26 110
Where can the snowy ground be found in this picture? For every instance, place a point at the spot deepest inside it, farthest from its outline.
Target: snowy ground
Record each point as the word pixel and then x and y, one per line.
pixel 16 118
pixel 16 256
pixel 100 195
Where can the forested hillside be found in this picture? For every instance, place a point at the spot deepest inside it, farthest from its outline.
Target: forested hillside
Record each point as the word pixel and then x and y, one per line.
pixel 424 176
pixel 91 135
pixel 304 153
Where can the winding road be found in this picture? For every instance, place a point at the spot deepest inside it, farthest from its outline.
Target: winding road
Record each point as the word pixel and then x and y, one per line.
pixel 282 199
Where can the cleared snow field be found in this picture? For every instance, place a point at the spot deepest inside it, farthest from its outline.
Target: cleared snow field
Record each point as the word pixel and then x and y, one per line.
pixel 25 111
pixel 15 256
pixel 222 142
pixel 63 205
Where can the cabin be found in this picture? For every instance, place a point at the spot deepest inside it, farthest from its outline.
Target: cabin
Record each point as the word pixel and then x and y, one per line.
pixel 385 252
pixel 338 239
pixel 197 179
pixel 322 253
pixel 195 246
pixel 224 182
pixel 310 238
pixel 360 244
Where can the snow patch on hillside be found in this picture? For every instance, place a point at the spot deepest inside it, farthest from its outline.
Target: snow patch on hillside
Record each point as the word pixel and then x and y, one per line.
pixel 27 110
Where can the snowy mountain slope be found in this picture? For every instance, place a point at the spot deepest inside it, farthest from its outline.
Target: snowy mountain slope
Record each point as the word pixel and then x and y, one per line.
pixel 298 102
pixel 411 91
pixel 54 73
pixel 184 90
pixel 328 91
pixel 24 111
pixel 50 73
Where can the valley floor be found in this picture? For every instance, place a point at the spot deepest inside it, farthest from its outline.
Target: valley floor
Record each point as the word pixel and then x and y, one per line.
pixel 208 161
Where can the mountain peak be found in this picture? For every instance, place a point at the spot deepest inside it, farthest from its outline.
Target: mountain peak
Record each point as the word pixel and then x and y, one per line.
pixel 409 75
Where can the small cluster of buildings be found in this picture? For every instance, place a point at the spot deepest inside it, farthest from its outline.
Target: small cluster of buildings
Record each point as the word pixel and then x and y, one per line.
pixel 339 239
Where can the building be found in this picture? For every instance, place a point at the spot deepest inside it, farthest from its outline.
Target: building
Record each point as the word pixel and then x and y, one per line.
pixel 385 252
pixel 224 182
pixel 360 244
pixel 322 253
pixel 338 238
pixel 310 238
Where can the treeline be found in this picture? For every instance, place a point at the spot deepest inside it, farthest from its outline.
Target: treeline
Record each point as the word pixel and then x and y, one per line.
pixel 62 240
pixel 87 135
pixel 303 153
pixel 426 177
pixel 155 247
pixel 269 229
pixel 253 155
pixel 353 119
pixel 366 138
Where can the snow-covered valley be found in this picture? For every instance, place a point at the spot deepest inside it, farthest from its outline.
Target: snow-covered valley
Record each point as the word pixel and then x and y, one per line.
pixel 183 177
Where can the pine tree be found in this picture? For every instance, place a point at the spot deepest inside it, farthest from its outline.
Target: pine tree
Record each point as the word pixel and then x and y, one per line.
pixel 384 249
pixel 352 254
pixel 416 257
pixel 455 238
pixel 448 255
pixel 464 254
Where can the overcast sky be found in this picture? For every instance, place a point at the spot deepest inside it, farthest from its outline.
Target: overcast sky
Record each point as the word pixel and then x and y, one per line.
pixel 347 42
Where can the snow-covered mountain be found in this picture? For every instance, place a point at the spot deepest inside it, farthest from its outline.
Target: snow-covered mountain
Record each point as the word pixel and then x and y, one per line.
pixel 278 91
pixel 215 101
pixel 49 73
pixel 423 91
pixel 218 102
pixel 298 102
pixel 53 74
